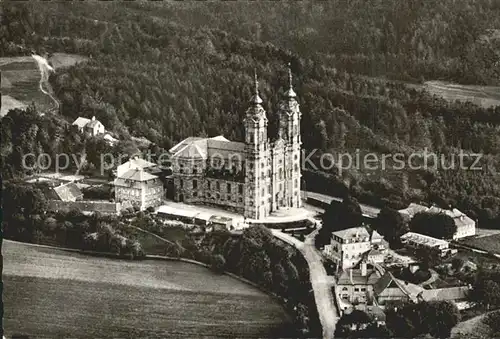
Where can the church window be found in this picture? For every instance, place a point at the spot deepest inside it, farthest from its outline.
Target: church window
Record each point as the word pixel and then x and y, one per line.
pixel 263 192
pixel 217 196
pixel 195 194
pixel 217 185
pixel 240 199
pixel 228 198
pixel 262 164
pixel 240 189
pixel 281 173
pixel 228 188
pixel 296 183
pixel 195 184
pixel 209 183
pixel 356 289
pixel 181 183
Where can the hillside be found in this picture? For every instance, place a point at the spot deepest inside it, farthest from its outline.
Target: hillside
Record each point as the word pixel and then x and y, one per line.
pixel 170 70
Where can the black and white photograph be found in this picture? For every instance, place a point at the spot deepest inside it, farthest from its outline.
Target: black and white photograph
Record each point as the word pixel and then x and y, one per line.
pixel 250 169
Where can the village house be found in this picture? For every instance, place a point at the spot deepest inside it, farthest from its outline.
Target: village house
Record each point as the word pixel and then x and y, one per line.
pixel 355 285
pixel 139 187
pixel 389 289
pixel 91 127
pixel 68 192
pixel 348 246
pixel 466 227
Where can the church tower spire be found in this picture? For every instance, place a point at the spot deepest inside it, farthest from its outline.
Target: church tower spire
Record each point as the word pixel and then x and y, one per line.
pixel 256 99
pixel 290 93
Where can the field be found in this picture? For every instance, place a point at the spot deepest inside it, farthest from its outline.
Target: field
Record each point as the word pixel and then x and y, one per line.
pixel 485 96
pixel 54 294
pixel 488 243
pixel 58 60
pixel 21 80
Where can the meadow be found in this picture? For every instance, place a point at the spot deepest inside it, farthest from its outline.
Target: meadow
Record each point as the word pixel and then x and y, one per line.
pixel 484 96
pixel 51 293
pixel 489 243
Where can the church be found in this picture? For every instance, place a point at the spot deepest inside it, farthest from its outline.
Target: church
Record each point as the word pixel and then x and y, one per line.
pixel 255 177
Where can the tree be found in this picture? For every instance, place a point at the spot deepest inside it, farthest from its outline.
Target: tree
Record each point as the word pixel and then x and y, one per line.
pixel 457 264
pixel 390 224
pixel 217 263
pixel 437 225
pixel 440 317
pixel 358 324
pixel 342 216
pixel 486 288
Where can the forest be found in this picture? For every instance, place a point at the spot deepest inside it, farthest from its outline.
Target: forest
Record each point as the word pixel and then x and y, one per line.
pixel 171 70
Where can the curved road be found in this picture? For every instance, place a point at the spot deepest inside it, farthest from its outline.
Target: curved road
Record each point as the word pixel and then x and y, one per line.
pixel 321 284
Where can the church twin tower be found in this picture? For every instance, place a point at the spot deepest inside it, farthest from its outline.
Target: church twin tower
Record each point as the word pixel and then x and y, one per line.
pixel 272 169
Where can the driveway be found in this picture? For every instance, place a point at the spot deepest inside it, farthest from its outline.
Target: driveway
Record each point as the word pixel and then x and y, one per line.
pixel 321 283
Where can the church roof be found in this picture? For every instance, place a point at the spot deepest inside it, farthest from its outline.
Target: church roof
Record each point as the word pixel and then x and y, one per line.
pixel 204 147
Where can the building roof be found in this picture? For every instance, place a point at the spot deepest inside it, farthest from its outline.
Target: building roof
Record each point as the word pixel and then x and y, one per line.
pixel 134 163
pixel 220 219
pixel 354 277
pixel 68 192
pixel 353 233
pixel 137 175
pixel 450 293
pixel 413 209
pixel 374 252
pixel 389 281
pixel 195 147
pixel 164 209
pixel 93 123
pixel 81 122
pixel 423 239
pixel 205 216
pixel 461 219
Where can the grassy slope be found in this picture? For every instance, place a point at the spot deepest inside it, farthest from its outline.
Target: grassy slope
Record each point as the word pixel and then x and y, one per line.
pixel 50 293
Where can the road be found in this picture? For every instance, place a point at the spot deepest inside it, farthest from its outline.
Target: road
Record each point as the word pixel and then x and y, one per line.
pixel 321 283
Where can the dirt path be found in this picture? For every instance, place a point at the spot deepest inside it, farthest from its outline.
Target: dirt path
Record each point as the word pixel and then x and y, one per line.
pixel 45 70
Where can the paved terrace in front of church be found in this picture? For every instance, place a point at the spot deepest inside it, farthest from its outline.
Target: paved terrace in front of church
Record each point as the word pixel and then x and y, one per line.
pixel 283 215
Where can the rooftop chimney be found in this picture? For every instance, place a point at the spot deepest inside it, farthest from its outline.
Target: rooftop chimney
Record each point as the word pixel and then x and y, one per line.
pixel 93 118
pixel 350 274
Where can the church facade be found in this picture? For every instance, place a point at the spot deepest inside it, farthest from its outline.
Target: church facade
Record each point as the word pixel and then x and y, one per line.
pixel 255 177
